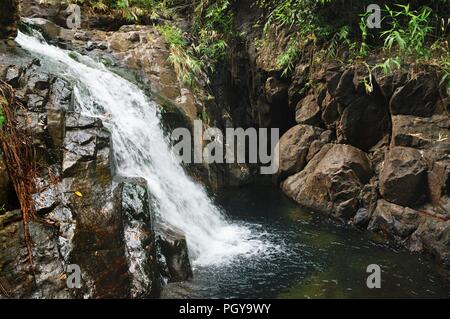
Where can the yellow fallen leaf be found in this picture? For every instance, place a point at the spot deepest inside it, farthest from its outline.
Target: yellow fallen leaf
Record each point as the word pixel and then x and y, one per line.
pixel 78 194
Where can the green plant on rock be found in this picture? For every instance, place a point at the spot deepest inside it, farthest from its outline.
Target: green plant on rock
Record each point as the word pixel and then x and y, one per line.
pixel 341 37
pixel 213 30
pixel 389 65
pixel 287 60
pixel 409 30
pixel 188 68
pixel 3 103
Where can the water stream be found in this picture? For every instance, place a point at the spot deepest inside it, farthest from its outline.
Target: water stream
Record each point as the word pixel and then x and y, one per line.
pixel 142 150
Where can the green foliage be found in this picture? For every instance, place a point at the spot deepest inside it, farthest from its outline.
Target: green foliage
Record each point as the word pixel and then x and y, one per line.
pixel 3 104
pixel 213 30
pixel 293 13
pixel 364 48
pixel 2 118
pixel 389 65
pixel 444 66
pixel 188 68
pixel 287 60
pixel 340 38
pixel 409 30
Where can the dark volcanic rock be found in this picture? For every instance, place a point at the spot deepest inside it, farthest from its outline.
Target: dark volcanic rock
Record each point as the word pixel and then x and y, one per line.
pixel 332 181
pixel 275 91
pixel 403 176
pixel 433 236
pixel 293 149
pixel 308 111
pixel 394 220
pixel 7 194
pixel 365 119
pixel 139 238
pixel 174 256
pixel 417 97
pixel 8 19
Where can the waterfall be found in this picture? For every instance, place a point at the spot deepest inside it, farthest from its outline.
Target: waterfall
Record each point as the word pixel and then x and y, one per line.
pixel 142 150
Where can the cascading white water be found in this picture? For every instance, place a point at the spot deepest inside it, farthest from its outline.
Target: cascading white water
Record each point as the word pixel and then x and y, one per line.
pixel 141 150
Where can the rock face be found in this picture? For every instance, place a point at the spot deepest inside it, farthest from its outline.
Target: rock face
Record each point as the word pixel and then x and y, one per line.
pixel 332 181
pixel 8 19
pixel 308 111
pixel 174 260
pixel 394 220
pixel 7 194
pixel 365 116
pixel 417 97
pixel 403 176
pixel 294 146
pixel 102 225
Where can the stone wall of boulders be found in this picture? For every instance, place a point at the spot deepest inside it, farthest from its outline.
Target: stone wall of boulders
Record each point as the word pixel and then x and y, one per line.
pixel 378 160
pixel 375 154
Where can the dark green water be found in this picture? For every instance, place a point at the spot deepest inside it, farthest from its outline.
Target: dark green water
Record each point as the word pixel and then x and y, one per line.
pixel 315 258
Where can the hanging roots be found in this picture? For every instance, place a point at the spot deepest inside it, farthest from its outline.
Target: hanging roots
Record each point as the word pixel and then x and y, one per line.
pixel 16 142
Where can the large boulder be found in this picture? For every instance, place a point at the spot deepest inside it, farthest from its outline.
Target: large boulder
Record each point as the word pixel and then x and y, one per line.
pixel 433 236
pixel 417 97
pixel 308 111
pixel 394 220
pixel 174 256
pixel 403 176
pixel 364 115
pixel 332 181
pixel 293 149
pixel 140 242
pixel 430 134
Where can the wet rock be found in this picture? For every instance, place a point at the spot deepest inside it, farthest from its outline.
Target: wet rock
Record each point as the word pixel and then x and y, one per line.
pixel 439 181
pixel 345 91
pixel 60 96
pixel 394 220
pixel 330 113
pixel 390 83
pixel 403 176
pixel 139 238
pixel 8 19
pixel 417 97
pixel 78 121
pixel 331 182
pixel 332 77
pixel 431 133
pixel 293 149
pixel 81 145
pixel 13 75
pixel 308 111
pixel 298 88
pixel 91 45
pixel 7 193
pixel 55 127
pixel 366 118
pixel 16 275
pixel 173 247
pixel 275 91
pixel 49 30
pixel 45 200
pixel 433 237
pixel 362 218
